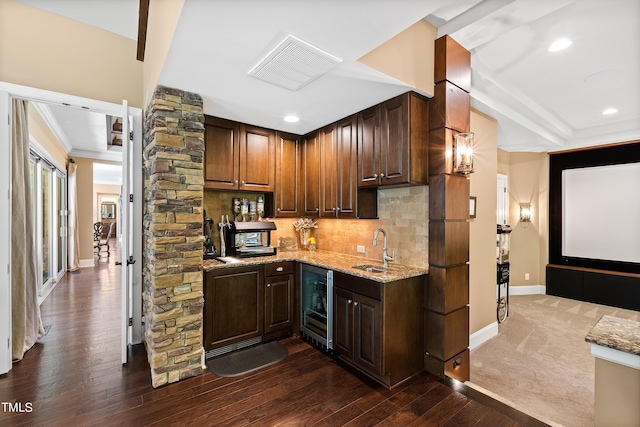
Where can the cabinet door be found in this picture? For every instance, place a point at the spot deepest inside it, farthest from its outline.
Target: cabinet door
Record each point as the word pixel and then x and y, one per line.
pixel 234 302
pixel 343 322
pixel 346 156
pixel 221 154
pixel 257 159
pixel 367 333
pixel 287 186
pixel 311 175
pixel 328 171
pixel 278 307
pixel 395 141
pixel 369 147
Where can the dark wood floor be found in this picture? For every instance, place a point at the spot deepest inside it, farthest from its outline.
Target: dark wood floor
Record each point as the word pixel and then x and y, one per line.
pixel 73 376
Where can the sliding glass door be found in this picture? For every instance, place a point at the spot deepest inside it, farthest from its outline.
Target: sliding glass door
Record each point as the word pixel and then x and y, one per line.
pixel 48 185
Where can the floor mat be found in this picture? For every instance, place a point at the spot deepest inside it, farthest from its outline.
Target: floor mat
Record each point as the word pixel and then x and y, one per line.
pixel 247 360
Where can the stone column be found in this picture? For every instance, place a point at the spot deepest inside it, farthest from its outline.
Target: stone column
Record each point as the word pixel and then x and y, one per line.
pixel 447 296
pixel 173 235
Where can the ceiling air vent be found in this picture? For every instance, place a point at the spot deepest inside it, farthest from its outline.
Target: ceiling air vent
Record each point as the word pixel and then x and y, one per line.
pixel 293 63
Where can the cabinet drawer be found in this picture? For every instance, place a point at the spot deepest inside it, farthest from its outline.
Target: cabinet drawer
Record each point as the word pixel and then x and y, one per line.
pixel 362 286
pixel 279 268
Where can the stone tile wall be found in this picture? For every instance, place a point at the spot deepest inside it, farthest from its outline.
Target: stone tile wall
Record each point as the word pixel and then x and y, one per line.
pixel 172 269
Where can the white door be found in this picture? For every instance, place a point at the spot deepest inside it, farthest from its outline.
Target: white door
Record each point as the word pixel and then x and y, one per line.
pixel 131 228
pixel 5 231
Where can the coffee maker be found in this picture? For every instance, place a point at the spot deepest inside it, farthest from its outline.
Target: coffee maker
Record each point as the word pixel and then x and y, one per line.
pixel 208 247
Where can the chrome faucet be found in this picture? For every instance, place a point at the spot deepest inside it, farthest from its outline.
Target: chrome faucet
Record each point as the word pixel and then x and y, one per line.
pixel 385 258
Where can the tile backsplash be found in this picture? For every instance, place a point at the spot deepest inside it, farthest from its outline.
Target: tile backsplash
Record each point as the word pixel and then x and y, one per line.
pixel 402 212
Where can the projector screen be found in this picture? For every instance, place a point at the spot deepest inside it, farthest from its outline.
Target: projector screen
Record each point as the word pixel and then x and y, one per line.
pixel 601 212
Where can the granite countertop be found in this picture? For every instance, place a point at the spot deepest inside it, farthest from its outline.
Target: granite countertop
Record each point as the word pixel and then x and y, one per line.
pixel 618 334
pixel 329 260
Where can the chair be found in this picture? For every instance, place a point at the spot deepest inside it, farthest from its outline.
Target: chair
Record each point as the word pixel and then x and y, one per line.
pixel 104 242
pixel 97 235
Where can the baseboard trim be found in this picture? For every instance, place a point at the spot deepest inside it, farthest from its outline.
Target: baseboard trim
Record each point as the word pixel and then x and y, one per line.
pixel 491 330
pixel 84 263
pixel 483 335
pixel 528 290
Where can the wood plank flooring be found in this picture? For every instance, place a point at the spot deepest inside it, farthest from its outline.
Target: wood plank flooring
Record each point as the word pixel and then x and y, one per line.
pixel 73 376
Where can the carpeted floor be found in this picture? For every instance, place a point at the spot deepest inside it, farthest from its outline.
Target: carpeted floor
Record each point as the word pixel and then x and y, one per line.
pixel 539 362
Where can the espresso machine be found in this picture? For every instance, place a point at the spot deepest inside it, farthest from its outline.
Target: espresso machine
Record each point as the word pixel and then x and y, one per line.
pixel 250 238
pixel 208 247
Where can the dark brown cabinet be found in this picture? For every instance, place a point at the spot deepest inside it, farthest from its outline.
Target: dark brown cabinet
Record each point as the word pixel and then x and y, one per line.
pixel 221 154
pixel 377 327
pixel 392 142
pixel 248 303
pixel 369 141
pixel 311 175
pixel 287 192
pixel 257 159
pixel 343 322
pixel 279 297
pixel 338 169
pixel 358 330
pixel 238 156
pixel 234 303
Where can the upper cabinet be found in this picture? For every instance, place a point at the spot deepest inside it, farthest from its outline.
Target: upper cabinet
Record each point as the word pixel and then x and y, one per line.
pixel 257 159
pixel 392 142
pixel 320 175
pixel 346 162
pixel 310 176
pixel 338 173
pixel 287 192
pixel 238 156
pixel 369 141
pixel 221 154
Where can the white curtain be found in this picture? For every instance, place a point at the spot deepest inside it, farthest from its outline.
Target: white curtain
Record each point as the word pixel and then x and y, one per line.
pixel 26 322
pixel 73 254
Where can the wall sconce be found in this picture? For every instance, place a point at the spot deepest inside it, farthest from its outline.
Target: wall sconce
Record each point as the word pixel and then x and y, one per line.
pixel 463 153
pixel 525 212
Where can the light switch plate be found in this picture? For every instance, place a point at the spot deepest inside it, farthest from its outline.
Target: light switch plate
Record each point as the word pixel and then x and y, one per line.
pixel 361 249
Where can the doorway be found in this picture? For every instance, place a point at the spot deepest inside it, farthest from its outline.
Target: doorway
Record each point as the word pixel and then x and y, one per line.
pixel 131 310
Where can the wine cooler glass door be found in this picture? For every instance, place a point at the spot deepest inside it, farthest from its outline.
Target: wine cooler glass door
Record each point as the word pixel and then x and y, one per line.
pixel 315 304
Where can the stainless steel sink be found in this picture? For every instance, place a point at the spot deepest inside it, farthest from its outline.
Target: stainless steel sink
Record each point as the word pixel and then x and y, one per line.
pixel 370 268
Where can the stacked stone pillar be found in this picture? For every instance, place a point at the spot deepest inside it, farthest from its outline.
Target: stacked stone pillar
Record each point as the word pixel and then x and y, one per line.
pixel 173 235
pixel 447 296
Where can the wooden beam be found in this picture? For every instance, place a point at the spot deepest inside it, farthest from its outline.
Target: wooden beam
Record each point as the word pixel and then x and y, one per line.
pixel 143 19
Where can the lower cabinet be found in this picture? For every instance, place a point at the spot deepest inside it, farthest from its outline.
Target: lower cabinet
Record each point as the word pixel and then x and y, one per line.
pixel 233 305
pixel 278 297
pixel 358 330
pixel 377 327
pixel 249 302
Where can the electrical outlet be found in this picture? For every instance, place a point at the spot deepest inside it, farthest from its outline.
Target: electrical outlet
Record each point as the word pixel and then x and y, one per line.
pixel 526 276
pixel 361 249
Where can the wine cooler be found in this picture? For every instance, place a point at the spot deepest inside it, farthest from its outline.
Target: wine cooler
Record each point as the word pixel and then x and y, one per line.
pixel 316 306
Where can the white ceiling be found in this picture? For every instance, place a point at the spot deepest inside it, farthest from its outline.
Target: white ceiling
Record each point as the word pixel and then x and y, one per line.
pixel 543 101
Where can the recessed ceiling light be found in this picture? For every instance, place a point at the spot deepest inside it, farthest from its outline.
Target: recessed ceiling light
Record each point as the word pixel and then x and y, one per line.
pixel 291 119
pixel 559 45
pixel 609 111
